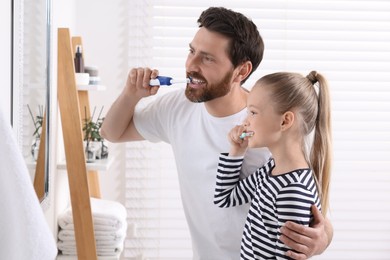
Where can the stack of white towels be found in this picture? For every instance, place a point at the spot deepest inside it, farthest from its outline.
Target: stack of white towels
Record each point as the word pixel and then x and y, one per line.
pixel 109 219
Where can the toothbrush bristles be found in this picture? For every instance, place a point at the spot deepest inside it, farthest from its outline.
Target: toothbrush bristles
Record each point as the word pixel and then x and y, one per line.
pixel 245 134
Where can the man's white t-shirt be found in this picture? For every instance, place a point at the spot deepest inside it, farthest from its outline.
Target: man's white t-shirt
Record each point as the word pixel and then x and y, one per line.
pixel 197 139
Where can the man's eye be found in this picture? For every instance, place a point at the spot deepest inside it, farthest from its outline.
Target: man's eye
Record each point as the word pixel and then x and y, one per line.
pixel 208 59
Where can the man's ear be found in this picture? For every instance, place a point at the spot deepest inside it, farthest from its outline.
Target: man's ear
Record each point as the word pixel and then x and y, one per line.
pixel 243 71
pixel 287 120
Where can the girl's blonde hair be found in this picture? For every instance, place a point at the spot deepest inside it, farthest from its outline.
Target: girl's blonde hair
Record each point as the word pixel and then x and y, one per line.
pixel 310 99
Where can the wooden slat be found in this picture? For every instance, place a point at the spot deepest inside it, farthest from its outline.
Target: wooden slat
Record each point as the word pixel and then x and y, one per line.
pixel 74 151
pixel 85 112
pixel 93 184
pixel 39 178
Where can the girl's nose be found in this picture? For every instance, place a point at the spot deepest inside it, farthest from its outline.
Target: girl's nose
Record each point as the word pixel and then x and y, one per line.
pixel 245 123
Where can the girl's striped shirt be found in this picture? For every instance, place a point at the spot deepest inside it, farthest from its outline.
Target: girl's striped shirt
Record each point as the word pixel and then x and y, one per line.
pixel 274 200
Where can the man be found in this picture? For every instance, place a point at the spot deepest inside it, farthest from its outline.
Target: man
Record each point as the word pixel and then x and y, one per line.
pixel 224 52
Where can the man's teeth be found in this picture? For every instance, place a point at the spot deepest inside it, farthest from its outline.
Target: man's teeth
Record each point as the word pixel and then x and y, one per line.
pixel 197 81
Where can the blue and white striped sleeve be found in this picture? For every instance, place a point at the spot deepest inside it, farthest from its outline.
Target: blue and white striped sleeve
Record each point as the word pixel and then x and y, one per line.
pixel 229 190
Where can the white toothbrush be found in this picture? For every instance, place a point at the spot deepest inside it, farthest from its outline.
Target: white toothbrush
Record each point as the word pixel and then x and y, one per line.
pixel 167 81
pixel 245 134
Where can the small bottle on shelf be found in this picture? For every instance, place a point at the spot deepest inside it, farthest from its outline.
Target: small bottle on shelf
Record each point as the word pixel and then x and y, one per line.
pixel 78 60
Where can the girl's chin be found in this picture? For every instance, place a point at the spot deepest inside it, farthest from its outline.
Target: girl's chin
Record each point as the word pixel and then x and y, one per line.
pixel 255 145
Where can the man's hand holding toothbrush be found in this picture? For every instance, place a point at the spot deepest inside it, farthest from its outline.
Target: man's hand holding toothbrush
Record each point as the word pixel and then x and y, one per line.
pixel 138 83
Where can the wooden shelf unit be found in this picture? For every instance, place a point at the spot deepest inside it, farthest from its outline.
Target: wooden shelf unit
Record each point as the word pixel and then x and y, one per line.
pixel 83 183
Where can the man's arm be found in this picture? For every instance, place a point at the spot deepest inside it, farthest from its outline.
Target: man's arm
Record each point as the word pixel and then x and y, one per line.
pixel 118 125
pixel 309 241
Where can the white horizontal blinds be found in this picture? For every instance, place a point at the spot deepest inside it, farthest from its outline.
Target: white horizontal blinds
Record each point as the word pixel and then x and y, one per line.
pixel 157 225
pixel 154 205
pixel 352 47
pixel 349 42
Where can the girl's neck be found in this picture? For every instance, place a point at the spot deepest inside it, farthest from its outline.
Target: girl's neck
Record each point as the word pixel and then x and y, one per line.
pixel 288 159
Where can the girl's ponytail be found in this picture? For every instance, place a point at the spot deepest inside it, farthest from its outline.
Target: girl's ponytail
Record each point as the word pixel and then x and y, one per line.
pixel 321 150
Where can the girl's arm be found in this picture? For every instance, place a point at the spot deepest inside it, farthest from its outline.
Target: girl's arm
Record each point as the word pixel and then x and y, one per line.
pixel 229 190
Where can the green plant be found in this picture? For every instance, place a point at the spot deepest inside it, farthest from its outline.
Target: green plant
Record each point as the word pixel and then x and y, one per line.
pixel 92 128
pixel 37 120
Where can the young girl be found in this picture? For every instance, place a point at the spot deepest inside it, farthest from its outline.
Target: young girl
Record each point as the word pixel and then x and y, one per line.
pixel 283 110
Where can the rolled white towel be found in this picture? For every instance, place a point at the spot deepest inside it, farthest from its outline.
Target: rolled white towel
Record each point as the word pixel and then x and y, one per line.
pixel 105 235
pixel 101 250
pixel 111 252
pixel 102 224
pixel 99 243
pixel 107 216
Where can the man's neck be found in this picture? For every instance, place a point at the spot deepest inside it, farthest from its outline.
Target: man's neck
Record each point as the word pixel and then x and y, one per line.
pixel 230 104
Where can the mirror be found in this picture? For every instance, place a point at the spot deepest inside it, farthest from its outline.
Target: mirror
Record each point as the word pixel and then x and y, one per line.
pixel 31 87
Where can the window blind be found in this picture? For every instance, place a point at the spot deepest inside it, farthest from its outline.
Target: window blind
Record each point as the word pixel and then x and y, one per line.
pixel 347 41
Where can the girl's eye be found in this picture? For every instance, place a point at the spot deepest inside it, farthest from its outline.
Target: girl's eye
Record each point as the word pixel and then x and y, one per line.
pixel 252 113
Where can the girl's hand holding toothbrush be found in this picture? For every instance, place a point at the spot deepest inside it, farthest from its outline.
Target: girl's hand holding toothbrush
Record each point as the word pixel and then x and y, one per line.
pixel 238 141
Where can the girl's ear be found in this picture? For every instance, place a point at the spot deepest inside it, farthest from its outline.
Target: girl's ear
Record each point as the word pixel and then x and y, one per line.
pixel 243 71
pixel 287 120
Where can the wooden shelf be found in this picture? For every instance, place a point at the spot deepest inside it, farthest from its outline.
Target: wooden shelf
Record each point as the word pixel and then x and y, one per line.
pixel 98 165
pixel 91 87
pixel 69 257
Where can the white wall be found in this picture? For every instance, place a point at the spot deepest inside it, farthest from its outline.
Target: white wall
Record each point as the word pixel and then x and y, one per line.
pixel 103 27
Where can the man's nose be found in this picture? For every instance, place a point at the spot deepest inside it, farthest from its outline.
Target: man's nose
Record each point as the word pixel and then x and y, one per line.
pixel 192 63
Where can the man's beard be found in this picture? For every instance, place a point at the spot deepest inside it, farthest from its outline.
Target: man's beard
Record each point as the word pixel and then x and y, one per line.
pixel 210 91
